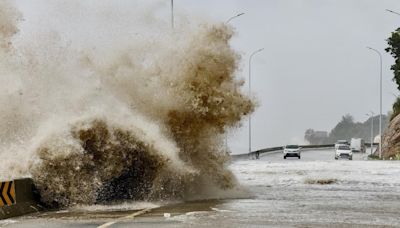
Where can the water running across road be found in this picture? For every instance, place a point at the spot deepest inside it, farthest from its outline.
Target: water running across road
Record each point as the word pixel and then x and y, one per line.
pixel 284 193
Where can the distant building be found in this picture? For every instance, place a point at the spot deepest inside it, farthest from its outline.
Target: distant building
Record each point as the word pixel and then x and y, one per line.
pixel 377 139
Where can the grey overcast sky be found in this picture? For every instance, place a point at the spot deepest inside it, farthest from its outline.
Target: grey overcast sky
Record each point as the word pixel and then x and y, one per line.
pixel 315 67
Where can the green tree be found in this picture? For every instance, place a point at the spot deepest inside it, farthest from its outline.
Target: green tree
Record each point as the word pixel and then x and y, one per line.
pixel 347 128
pixel 344 129
pixel 316 137
pixel 394 50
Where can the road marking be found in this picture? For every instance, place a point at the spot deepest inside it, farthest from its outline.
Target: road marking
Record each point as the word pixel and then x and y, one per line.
pixel 7 193
pixel 131 216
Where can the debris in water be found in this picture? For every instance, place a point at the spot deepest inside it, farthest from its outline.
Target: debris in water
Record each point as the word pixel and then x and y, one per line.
pixel 321 181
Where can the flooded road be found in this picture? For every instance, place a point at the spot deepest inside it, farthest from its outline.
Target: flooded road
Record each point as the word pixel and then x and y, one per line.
pixel 315 191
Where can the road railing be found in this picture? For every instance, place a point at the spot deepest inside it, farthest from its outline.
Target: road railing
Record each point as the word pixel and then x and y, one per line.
pixel 280 148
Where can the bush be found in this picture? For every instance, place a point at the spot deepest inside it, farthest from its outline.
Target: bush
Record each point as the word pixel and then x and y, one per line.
pixel 396 109
pixel 373 157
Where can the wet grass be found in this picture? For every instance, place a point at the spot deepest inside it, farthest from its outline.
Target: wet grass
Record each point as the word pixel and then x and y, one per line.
pixel 373 157
pixel 397 157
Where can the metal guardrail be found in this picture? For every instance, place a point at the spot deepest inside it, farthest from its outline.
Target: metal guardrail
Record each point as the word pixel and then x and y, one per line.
pixel 279 148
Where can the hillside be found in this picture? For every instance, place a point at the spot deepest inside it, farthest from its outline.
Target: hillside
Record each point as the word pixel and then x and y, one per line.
pixel 347 128
pixel 391 140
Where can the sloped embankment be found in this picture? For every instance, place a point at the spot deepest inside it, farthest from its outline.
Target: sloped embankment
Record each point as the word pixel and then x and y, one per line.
pixel 391 139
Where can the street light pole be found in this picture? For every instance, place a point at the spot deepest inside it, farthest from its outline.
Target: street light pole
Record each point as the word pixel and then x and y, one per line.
pixel 172 14
pixel 251 57
pixel 238 15
pixel 372 130
pixel 226 134
pixel 380 101
pixel 391 11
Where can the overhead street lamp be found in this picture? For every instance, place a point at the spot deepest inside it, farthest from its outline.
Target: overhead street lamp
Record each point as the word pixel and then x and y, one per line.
pixel 380 103
pixel 226 134
pixel 238 15
pixel 372 130
pixel 251 57
pixel 391 11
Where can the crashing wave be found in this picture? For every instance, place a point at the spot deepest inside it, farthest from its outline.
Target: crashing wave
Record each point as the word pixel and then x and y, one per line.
pixel 141 120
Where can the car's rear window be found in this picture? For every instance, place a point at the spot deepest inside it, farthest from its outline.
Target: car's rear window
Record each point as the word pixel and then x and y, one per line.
pixel 344 148
pixel 292 147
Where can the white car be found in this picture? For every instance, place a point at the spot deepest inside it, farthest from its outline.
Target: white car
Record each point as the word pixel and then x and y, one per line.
pixel 292 151
pixel 344 151
pixel 341 143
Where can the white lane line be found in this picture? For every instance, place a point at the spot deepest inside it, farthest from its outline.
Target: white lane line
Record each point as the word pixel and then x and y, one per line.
pixel 131 216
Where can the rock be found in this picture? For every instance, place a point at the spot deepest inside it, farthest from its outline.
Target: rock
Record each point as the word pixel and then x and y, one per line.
pixel 391 139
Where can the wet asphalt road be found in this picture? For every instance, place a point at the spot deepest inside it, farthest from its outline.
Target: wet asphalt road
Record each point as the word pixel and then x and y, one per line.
pixel 315 191
pixel 309 155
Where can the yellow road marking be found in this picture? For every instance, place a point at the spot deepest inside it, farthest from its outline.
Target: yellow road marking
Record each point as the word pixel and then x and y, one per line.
pixel 131 216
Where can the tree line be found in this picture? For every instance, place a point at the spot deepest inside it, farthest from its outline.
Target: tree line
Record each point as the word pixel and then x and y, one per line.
pixel 394 50
pixel 346 129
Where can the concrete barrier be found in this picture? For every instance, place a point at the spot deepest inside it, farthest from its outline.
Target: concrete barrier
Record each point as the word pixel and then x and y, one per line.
pixel 18 197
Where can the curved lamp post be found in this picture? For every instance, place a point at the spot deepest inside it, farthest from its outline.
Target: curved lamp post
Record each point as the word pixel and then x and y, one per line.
pixel 172 14
pixel 250 59
pixel 380 101
pixel 226 135
pixel 391 11
pixel 372 129
pixel 238 15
